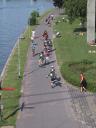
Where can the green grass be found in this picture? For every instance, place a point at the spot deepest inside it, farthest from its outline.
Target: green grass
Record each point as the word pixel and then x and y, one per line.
pixel 73 55
pixel 10 99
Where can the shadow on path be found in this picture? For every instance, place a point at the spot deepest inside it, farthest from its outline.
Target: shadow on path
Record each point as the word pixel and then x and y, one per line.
pixel 58 100
pixel 79 94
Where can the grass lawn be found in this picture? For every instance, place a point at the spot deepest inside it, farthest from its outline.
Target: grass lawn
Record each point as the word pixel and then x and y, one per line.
pixel 10 99
pixel 74 55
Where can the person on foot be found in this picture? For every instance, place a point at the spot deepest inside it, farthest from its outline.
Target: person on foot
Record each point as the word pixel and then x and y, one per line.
pixel 83 83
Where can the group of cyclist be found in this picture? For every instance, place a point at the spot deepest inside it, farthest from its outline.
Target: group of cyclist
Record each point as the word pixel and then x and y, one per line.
pixel 46 38
pixel 47 47
pixel 44 58
pixel 33 43
pixel 44 54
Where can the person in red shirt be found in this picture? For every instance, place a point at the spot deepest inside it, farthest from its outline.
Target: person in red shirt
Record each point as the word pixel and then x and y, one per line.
pixel 83 83
pixel 45 35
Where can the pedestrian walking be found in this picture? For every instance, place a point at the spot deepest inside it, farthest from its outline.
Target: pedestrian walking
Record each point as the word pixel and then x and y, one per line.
pixel 83 82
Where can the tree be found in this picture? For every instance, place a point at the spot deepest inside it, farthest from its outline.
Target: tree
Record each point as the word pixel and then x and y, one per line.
pixel 33 18
pixel 58 3
pixel 35 13
pixel 76 9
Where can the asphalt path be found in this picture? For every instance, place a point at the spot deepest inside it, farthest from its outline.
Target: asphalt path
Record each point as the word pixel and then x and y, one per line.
pixel 46 107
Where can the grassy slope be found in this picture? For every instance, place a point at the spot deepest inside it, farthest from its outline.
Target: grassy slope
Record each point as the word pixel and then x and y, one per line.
pixel 71 50
pixel 10 98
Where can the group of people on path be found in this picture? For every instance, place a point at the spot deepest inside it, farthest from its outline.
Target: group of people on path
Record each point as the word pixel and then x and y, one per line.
pixel 47 47
pixel 44 55
pixel 33 43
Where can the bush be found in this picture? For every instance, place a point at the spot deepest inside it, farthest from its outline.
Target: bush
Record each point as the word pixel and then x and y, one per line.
pixel 35 13
pixel 33 18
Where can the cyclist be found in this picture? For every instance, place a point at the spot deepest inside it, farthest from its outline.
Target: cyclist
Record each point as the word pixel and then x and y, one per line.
pixel 33 47
pixel 41 58
pixel 45 35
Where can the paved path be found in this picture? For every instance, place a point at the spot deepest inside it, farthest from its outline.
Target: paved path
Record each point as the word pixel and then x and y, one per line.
pixel 60 107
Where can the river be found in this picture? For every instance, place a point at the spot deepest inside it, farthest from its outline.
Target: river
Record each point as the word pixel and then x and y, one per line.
pixel 13 20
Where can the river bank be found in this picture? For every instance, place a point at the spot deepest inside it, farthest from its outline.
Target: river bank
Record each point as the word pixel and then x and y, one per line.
pixel 13 20
pixel 10 99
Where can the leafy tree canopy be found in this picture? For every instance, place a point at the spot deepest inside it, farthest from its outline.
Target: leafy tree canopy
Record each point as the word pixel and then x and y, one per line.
pixel 58 3
pixel 75 9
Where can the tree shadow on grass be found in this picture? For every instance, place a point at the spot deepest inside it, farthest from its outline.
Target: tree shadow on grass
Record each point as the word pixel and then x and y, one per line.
pixel 80 29
pixel 12 114
pixel 17 109
pixel 11 107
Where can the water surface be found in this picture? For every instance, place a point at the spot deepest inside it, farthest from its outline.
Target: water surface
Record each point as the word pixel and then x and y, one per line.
pixel 13 20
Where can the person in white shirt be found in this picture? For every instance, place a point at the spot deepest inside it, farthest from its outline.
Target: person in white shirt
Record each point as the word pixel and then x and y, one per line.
pixel 33 35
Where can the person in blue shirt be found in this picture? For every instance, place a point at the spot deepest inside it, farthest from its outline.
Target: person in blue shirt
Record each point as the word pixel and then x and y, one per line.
pixel 33 47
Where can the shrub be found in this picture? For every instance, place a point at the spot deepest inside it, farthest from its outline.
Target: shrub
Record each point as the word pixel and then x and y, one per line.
pixel 35 13
pixel 33 18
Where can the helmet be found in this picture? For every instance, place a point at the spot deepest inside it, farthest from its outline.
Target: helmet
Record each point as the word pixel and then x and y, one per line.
pixel 51 74
pixel 52 66
pixel 33 32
